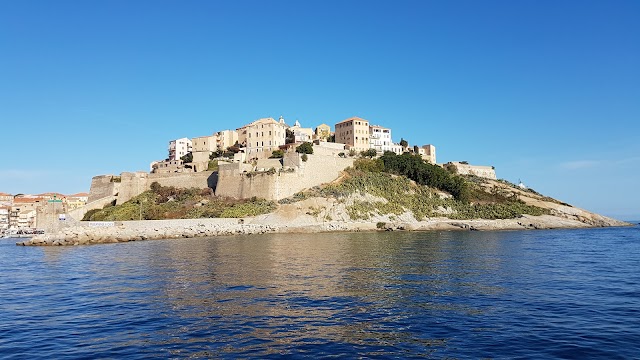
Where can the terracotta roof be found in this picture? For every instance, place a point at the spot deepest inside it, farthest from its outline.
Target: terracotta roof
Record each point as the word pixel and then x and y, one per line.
pixel 352 118
pixel 5 194
pixel 27 200
pixel 51 194
pixel 81 194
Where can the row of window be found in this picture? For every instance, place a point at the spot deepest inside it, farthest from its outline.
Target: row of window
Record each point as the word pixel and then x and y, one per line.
pixel 258 134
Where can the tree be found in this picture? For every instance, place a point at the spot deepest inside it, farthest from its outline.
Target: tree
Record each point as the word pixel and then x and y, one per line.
pixel 331 138
pixel 369 153
pixel 416 149
pixel 304 157
pixel 291 137
pixel 216 154
pixel 277 154
pixel 187 158
pixel 305 148
pixel 403 143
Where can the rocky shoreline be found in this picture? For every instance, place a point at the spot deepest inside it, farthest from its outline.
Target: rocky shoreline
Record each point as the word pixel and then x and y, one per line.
pixel 126 231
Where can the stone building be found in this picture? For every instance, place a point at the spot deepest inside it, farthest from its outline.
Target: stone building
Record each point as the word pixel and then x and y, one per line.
pixel 261 137
pixel 202 148
pixel 428 153
pixel 353 132
pixel 179 148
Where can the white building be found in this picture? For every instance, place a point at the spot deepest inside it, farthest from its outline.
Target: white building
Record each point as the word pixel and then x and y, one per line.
pixel 179 148
pixel 380 138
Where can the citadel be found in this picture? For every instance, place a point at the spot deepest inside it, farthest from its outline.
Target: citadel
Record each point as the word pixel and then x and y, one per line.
pixel 256 160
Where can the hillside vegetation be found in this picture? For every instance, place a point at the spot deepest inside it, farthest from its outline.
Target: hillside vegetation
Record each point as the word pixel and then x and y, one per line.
pixel 390 185
pixel 406 183
pixel 163 202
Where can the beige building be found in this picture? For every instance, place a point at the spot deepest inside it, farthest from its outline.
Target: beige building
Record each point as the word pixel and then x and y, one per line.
pixel 179 148
pixel 301 134
pixel 75 201
pixel 6 198
pixel 202 148
pixel 20 210
pixel 353 132
pixel 262 137
pixel 226 138
pixel 322 132
pixel 428 153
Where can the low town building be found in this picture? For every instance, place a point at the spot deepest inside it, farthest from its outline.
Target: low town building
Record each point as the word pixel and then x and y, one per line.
pixel 4 218
pixel 353 132
pixel 179 148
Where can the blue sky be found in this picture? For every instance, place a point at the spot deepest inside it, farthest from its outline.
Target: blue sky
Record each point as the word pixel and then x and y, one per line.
pixel 546 91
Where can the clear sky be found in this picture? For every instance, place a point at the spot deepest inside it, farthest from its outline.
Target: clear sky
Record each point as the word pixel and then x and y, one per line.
pixel 546 91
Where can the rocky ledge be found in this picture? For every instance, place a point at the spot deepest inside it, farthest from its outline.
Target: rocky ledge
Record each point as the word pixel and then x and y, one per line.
pixel 126 231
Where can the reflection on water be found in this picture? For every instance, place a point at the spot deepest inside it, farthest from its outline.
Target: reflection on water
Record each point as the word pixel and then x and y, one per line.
pixel 437 294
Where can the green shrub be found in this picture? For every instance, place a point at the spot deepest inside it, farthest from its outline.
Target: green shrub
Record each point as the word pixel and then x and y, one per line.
pixel 305 148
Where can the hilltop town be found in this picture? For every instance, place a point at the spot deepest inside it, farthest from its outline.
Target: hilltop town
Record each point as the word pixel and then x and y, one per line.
pixel 268 176
pixel 227 162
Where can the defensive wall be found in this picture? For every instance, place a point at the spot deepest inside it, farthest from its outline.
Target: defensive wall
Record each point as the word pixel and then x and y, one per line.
pixel 103 186
pixel 132 184
pixel 465 169
pixel 294 176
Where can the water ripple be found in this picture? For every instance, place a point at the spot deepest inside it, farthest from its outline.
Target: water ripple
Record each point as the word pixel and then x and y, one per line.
pixel 538 294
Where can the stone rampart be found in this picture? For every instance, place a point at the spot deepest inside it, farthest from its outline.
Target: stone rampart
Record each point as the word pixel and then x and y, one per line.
pixel 103 186
pixel 296 176
pixel 134 184
pixel 482 171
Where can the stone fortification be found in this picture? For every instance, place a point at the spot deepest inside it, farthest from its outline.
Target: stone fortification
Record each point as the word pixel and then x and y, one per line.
pixel 296 175
pixel 131 184
pixel 103 186
pixel 465 169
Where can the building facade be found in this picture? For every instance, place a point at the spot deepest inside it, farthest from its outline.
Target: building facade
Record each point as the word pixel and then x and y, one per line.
pixel 226 138
pixel 262 137
pixel 179 148
pixel 353 132
pixel 428 153
pixel 380 138
pixel 322 132
pixel 202 148
pixel 301 134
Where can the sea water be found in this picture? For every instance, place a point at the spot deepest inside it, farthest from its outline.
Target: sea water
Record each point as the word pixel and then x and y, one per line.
pixel 508 294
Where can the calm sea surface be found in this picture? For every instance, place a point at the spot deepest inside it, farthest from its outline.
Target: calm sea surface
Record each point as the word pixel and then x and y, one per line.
pixel 572 294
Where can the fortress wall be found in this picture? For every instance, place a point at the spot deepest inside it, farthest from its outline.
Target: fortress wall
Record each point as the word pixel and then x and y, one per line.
pixel 134 184
pixel 317 170
pixel 102 186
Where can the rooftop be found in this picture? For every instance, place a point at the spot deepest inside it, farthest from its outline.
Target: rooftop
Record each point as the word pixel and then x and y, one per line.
pixel 353 118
